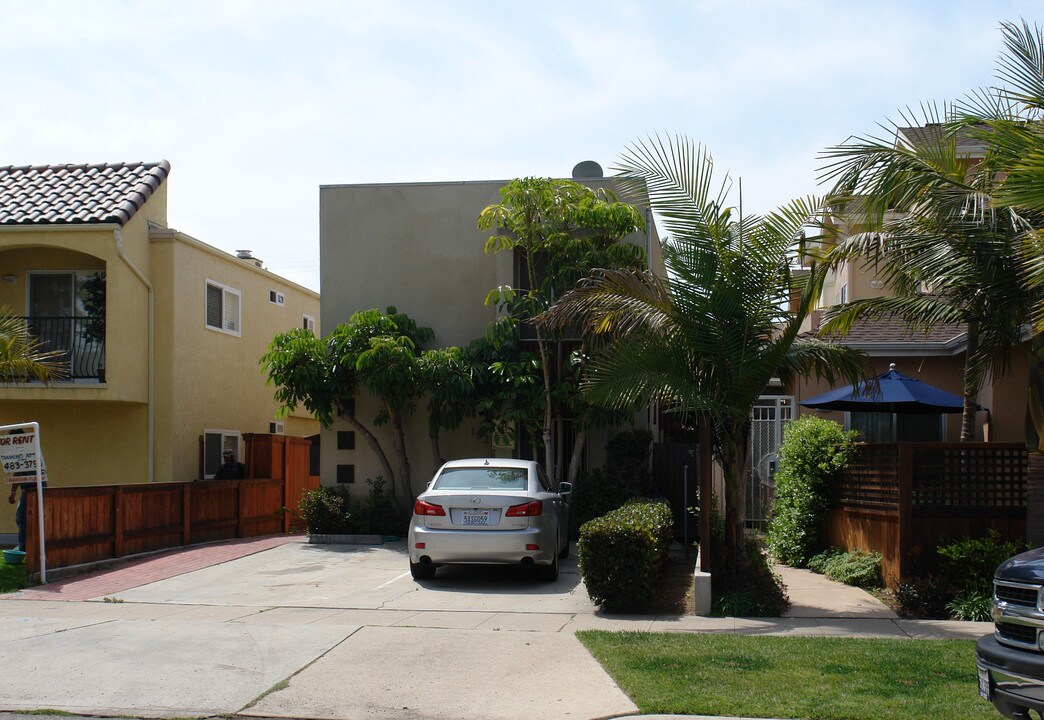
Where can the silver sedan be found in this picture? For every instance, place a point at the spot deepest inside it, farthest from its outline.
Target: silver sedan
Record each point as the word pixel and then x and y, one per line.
pixel 490 510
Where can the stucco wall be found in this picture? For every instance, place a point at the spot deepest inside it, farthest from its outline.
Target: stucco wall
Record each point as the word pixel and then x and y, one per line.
pixel 208 379
pixel 416 247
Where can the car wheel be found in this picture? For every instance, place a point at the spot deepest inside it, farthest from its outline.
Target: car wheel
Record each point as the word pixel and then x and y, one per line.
pixel 422 571
pixel 549 573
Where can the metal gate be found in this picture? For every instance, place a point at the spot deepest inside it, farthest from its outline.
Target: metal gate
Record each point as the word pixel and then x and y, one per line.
pixel 771 413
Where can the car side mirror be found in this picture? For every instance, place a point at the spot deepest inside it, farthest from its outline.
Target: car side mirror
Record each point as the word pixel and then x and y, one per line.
pixel 564 488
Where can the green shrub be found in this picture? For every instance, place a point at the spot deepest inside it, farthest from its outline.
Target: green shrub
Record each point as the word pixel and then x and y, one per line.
pixel 755 591
pixel 326 511
pixel 971 605
pixel 956 581
pixel 627 457
pixel 924 597
pixel 813 451
pixel 621 554
pixel 596 493
pixel 858 568
pixel 818 562
pixel 377 515
pixel 968 564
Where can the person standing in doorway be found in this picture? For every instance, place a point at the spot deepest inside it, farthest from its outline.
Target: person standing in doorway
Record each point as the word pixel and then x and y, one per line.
pixel 20 510
pixel 231 469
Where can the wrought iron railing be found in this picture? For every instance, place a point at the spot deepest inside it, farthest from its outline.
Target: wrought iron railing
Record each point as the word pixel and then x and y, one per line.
pixel 81 340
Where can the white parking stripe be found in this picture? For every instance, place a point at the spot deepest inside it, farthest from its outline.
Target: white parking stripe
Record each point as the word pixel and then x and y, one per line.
pixel 394 579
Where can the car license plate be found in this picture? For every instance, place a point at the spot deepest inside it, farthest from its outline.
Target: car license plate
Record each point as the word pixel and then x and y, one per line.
pixel 984 683
pixel 475 517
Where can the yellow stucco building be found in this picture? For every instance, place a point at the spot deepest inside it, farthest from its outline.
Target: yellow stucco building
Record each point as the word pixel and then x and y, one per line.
pixel 162 332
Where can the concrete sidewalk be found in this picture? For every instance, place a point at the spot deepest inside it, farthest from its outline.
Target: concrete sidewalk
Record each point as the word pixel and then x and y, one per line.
pixel 276 627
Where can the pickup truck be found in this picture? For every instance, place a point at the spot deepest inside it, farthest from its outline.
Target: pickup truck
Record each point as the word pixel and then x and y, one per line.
pixel 1010 662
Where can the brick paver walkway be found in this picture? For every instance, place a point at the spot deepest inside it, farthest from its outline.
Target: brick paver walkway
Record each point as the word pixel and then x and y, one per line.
pixel 135 573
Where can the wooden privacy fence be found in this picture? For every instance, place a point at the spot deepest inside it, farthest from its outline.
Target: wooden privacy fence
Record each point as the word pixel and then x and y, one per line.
pixel 905 499
pixel 90 524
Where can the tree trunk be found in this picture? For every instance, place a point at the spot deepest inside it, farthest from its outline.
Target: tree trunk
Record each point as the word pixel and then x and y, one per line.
pixel 374 444
pixel 436 450
pixel 734 453
pixel 578 452
pixel 971 386
pixel 399 444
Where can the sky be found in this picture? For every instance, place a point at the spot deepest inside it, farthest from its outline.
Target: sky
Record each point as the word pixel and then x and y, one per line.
pixel 258 103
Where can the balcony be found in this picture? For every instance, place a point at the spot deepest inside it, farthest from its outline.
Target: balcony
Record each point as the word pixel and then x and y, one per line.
pixel 81 340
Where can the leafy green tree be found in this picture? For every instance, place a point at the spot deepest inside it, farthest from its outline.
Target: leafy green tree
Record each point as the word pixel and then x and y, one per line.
pixel 21 355
pixel 449 380
pixel 813 452
pixel 374 351
pixel 706 339
pixel 560 230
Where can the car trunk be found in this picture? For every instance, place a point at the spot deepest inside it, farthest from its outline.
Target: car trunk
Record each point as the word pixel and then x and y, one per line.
pixel 476 511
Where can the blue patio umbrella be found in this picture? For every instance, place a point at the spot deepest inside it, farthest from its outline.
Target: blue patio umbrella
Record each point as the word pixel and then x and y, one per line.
pixel 897 393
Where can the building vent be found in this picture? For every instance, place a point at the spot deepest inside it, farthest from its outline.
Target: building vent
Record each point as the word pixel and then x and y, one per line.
pixel 588 170
pixel 248 257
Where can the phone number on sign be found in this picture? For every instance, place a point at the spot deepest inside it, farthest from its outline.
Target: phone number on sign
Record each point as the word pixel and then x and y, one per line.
pixel 19 465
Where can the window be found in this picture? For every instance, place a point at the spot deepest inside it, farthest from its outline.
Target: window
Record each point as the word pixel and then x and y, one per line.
pixel 878 427
pixel 223 308
pixel 216 442
pixel 844 293
pixel 276 427
pixel 345 440
pixel 345 473
pixel 308 323
pixel 276 298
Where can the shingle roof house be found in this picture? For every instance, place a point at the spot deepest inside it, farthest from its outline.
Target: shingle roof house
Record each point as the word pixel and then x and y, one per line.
pixel 162 332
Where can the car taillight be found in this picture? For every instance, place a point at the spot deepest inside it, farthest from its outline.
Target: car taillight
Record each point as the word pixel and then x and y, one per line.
pixel 530 509
pixel 425 508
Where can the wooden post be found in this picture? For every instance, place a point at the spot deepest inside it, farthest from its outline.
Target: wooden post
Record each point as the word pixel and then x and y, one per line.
pixel 905 508
pixel 186 513
pixel 118 547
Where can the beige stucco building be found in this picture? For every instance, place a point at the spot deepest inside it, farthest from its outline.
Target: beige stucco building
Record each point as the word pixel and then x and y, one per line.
pixel 935 357
pixel 162 331
pixel 417 247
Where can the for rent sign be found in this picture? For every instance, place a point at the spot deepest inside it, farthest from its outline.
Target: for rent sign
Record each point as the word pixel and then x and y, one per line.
pixel 20 454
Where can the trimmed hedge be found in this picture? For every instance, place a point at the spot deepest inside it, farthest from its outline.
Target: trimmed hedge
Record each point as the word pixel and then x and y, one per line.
pixel 621 554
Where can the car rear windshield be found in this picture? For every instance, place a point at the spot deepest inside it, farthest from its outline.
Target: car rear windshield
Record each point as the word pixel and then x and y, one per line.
pixel 482 478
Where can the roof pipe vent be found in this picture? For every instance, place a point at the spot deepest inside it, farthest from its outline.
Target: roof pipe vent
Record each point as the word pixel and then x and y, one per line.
pixel 248 257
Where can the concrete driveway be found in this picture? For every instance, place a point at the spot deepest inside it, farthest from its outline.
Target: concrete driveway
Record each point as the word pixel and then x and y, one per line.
pixel 322 631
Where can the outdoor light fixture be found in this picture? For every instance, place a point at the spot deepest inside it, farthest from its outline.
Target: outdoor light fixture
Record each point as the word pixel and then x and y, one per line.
pixel 8 278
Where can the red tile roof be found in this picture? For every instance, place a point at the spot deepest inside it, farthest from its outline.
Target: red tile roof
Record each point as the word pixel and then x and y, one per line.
pixel 75 194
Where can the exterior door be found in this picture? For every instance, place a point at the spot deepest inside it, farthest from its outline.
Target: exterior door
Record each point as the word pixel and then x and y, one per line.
pixel 770 415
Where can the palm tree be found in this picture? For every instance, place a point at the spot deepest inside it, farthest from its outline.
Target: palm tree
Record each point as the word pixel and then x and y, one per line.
pixel 21 355
pixel 931 229
pixel 1009 120
pixel 706 339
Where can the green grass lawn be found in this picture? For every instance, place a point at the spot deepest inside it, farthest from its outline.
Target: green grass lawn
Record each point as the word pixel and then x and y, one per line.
pixel 12 577
pixel 792 677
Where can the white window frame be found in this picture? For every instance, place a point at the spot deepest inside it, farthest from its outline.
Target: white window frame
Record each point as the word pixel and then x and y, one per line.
pixel 276 427
pixel 276 298
pixel 308 323
pixel 844 293
pixel 229 439
pixel 226 291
